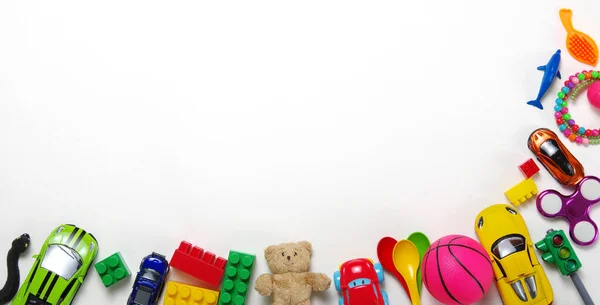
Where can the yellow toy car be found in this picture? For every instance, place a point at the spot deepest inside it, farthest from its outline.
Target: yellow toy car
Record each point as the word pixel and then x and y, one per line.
pixel 520 278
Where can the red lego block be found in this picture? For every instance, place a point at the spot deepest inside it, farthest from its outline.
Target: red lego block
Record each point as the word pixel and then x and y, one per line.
pixel 529 168
pixel 198 263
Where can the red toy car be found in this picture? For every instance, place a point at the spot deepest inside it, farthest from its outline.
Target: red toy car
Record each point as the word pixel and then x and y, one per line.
pixel 358 280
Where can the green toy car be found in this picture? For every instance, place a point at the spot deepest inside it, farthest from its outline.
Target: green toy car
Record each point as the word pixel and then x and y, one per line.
pixel 59 268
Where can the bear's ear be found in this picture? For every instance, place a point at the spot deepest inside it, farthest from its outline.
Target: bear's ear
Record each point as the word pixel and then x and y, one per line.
pixel 306 245
pixel 270 250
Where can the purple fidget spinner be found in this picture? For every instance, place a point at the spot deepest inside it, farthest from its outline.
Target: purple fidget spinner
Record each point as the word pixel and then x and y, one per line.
pixel 575 208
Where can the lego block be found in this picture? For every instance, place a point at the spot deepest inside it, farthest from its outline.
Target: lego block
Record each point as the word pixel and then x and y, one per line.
pixel 237 278
pixel 196 262
pixel 112 269
pixel 521 192
pixel 182 294
pixel 557 250
pixel 529 168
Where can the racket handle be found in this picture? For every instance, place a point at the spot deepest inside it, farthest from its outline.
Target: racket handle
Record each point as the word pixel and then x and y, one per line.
pixel 585 296
pixel 565 17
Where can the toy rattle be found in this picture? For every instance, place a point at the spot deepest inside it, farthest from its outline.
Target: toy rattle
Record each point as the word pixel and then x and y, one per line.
pixel 575 208
pixel 576 83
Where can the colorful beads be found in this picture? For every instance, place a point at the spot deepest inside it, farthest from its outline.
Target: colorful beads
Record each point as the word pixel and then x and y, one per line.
pixel 566 124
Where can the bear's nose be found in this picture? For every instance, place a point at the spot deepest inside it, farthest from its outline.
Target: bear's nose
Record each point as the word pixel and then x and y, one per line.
pixel 289 258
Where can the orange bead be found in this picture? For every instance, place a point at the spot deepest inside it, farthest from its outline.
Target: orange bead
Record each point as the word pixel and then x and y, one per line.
pixel 588 75
pixel 572 137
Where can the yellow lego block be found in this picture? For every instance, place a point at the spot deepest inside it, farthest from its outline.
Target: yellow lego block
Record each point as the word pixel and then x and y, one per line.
pixel 521 192
pixel 181 294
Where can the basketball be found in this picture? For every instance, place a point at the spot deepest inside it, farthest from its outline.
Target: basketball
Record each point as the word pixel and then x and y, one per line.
pixel 457 270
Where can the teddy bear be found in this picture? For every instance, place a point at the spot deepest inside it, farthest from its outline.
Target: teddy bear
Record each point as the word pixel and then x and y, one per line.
pixel 290 283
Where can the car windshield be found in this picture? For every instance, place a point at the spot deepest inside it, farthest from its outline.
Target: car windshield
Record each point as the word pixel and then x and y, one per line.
pixel 151 275
pixel 508 245
pixel 62 260
pixel 359 282
pixel 550 149
pixel 143 296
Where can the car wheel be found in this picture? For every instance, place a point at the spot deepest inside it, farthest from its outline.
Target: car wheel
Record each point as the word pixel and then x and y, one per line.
pixel 385 298
pixel 379 271
pixel 341 301
pixel 336 281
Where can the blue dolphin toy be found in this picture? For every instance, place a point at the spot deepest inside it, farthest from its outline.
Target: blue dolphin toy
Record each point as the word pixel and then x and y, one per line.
pixel 550 71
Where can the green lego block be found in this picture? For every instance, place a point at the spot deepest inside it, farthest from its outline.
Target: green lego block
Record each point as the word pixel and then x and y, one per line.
pixel 557 250
pixel 236 278
pixel 112 269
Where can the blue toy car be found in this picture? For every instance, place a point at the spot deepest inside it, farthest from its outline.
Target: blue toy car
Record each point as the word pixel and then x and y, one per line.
pixel 150 280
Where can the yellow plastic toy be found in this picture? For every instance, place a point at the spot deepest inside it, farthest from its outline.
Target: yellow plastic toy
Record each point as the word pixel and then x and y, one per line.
pixel 521 192
pixel 520 278
pixel 178 293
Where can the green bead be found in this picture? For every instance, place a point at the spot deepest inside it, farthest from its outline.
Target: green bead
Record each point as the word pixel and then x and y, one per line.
pixel 561 94
pixel 581 76
pixel 564 104
pixel 567 116
pixel 595 74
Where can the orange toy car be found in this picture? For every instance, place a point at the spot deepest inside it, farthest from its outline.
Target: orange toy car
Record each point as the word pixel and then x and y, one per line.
pixel 555 157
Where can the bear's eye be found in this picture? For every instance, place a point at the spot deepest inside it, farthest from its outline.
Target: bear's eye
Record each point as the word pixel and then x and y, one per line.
pixel 295 254
pixel 282 254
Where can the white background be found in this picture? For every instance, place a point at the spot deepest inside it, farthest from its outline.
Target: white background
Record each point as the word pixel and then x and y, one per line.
pixel 241 124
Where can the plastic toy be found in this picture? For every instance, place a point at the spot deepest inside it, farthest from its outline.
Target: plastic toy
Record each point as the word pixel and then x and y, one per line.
pixel 520 278
pixel 566 124
pixel 385 248
pixel 359 282
pixel 112 269
pixel 19 246
pixel 290 282
pixel 555 157
pixel 529 168
pixel 558 251
pixel 194 261
pixel 593 94
pixel 179 293
pixel 60 268
pixel 407 261
pixel 521 192
pixel 574 208
pixel 422 243
pixel 581 46
pixel 150 280
pixel 237 278
pixel 457 270
pixel 550 72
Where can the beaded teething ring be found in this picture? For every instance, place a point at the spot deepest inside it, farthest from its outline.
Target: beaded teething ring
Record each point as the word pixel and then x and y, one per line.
pixel 566 124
